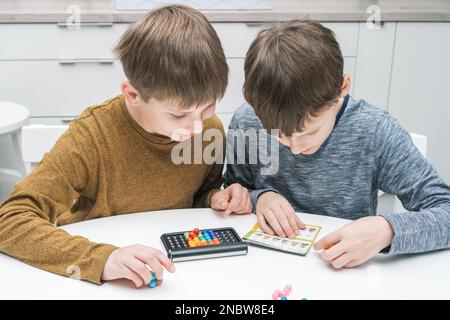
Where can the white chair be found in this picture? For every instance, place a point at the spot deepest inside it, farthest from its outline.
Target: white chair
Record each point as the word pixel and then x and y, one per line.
pixel 38 139
pixel 12 118
pixel 389 202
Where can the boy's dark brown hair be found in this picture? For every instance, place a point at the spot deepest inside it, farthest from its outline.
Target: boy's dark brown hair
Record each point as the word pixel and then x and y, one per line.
pixel 292 71
pixel 173 53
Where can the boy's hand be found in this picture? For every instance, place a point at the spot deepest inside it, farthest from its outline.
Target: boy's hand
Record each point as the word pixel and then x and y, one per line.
pixel 235 199
pixel 276 215
pixel 131 263
pixel 356 242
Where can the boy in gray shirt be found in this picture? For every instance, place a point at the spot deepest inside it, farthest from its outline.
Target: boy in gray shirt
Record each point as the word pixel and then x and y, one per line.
pixel 332 153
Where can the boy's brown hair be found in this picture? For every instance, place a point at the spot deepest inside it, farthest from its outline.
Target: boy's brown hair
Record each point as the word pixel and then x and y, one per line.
pixel 173 53
pixel 292 71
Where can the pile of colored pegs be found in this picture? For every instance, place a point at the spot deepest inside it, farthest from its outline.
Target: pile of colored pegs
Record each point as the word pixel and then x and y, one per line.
pixel 200 238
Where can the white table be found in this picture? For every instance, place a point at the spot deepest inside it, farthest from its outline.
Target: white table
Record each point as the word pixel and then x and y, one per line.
pixel 254 276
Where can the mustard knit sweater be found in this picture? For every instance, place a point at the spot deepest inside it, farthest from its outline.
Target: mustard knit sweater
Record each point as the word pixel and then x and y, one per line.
pixel 105 164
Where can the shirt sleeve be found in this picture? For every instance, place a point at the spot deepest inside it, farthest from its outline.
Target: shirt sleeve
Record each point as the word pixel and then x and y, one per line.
pixel 239 168
pixel 403 171
pixel 28 217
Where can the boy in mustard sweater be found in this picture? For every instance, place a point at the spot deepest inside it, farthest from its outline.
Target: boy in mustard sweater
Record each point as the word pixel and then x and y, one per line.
pixel 117 157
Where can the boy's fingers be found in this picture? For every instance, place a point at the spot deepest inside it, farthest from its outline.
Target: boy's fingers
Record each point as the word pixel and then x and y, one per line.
pixel 155 266
pixel 300 223
pixel 131 275
pixel 150 260
pixel 327 241
pixel 283 220
pixel 287 230
pixel 218 201
pixel 248 206
pixel 353 263
pixel 140 269
pixel 341 261
pixel 235 200
pixel 291 218
pixel 263 225
pixel 274 224
pixel 334 252
pixel 244 199
pixel 221 205
pixel 229 208
pixel 166 263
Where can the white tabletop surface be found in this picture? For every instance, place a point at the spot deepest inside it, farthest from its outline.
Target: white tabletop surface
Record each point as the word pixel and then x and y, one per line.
pixel 13 116
pixel 253 276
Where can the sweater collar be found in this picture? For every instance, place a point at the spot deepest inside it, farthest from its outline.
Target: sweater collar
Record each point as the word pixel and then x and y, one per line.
pixel 341 111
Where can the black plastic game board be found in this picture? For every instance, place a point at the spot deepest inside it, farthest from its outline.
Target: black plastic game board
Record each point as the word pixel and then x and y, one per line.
pixel 178 249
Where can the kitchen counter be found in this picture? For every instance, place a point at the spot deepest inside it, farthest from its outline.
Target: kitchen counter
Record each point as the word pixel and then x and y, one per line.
pixel 53 11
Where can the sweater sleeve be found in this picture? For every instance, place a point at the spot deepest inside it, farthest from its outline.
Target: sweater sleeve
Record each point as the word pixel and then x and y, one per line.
pixel 402 170
pixel 239 167
pixel 28 217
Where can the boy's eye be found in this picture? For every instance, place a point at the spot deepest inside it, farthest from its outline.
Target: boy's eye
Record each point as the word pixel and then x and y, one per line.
pixel 174 116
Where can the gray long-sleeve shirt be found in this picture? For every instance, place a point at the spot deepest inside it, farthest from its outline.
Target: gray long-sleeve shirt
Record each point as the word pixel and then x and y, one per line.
pixel 367 151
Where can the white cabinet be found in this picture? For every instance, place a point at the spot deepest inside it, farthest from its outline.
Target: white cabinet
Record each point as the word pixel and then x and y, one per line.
pixel 419 94
pixel 57 72
pixel 49 88
pixel 56 41
pixel 374 63
pixel 237 37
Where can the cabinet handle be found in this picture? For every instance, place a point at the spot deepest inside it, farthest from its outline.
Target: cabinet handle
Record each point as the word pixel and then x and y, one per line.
pixel 259 24
pixel 77 61
pixel 85 24
pixel 66 120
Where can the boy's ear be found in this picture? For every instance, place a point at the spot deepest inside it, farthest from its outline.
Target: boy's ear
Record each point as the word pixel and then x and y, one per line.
pixel 130 94
pixel 345 88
